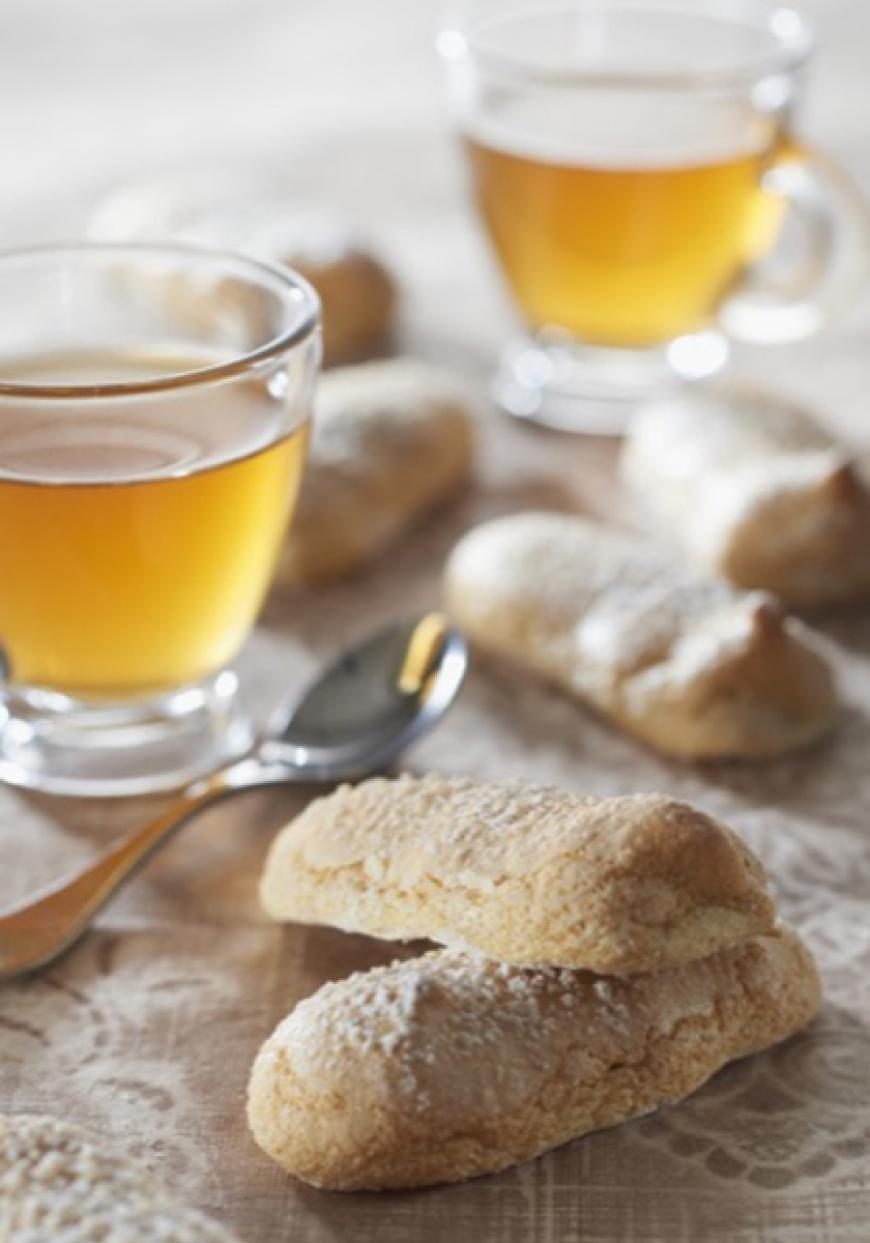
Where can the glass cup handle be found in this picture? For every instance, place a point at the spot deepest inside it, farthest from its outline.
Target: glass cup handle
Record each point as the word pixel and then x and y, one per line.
pixel 809 252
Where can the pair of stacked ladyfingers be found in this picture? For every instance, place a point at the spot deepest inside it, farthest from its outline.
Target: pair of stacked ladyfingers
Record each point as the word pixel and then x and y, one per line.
pixel 602 957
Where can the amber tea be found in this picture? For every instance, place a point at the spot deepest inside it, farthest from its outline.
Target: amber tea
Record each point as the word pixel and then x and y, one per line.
pixel 621 254
pixel 624 226
pixel 136 546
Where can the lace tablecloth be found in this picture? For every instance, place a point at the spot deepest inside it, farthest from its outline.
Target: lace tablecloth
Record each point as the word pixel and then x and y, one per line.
pixel 147 1031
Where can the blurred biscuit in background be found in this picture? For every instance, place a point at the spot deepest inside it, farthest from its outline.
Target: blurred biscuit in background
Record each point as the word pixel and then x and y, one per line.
pixel 755 490
pixel 391 441
pixel 358 293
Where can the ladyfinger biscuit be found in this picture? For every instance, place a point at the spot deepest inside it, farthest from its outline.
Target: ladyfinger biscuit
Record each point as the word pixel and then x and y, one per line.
pixel 521 873
pixel 756 492
pixel 683 662
pixel 358 296
pixel 358 293
pixel 449 1066
pixel 391 441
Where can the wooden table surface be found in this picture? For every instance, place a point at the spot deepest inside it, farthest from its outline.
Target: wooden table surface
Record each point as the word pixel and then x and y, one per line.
pixel 147 1031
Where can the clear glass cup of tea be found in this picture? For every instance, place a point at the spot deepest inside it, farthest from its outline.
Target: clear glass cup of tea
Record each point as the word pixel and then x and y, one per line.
pixel 635 166
pixel 155 403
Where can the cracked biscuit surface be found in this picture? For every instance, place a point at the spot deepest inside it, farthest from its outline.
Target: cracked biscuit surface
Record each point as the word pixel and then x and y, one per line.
pixel 521 873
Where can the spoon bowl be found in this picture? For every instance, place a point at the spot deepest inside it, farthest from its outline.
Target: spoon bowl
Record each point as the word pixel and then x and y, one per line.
pixel 354 719
pixel 371 704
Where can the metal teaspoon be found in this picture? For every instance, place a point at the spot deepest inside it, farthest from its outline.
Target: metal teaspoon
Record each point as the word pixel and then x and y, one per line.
pixel 354 719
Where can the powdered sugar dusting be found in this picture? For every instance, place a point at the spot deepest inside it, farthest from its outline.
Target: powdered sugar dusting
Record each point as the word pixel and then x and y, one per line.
pixel 451 1025
pixel 599 603
pixel 469 834
pixel 624 625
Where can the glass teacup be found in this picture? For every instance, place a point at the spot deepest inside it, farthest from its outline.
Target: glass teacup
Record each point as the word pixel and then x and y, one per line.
pixel 635 167
pixel 154 412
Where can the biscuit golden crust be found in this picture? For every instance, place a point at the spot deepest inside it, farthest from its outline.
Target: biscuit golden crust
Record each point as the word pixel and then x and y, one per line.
pixel 525 874
pixel 450 1066
pixel 757 492
pixel 683 662
pixel 391 440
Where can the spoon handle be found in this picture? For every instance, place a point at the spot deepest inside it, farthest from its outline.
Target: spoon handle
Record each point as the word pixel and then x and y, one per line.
pixel 37 930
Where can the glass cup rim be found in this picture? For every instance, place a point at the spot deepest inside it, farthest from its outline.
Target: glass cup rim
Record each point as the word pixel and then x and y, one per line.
pixel 792 44
pixel 259 270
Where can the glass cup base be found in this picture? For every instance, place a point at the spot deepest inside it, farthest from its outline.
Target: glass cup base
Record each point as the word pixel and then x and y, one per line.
pixel 60 745
pixel 560 383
